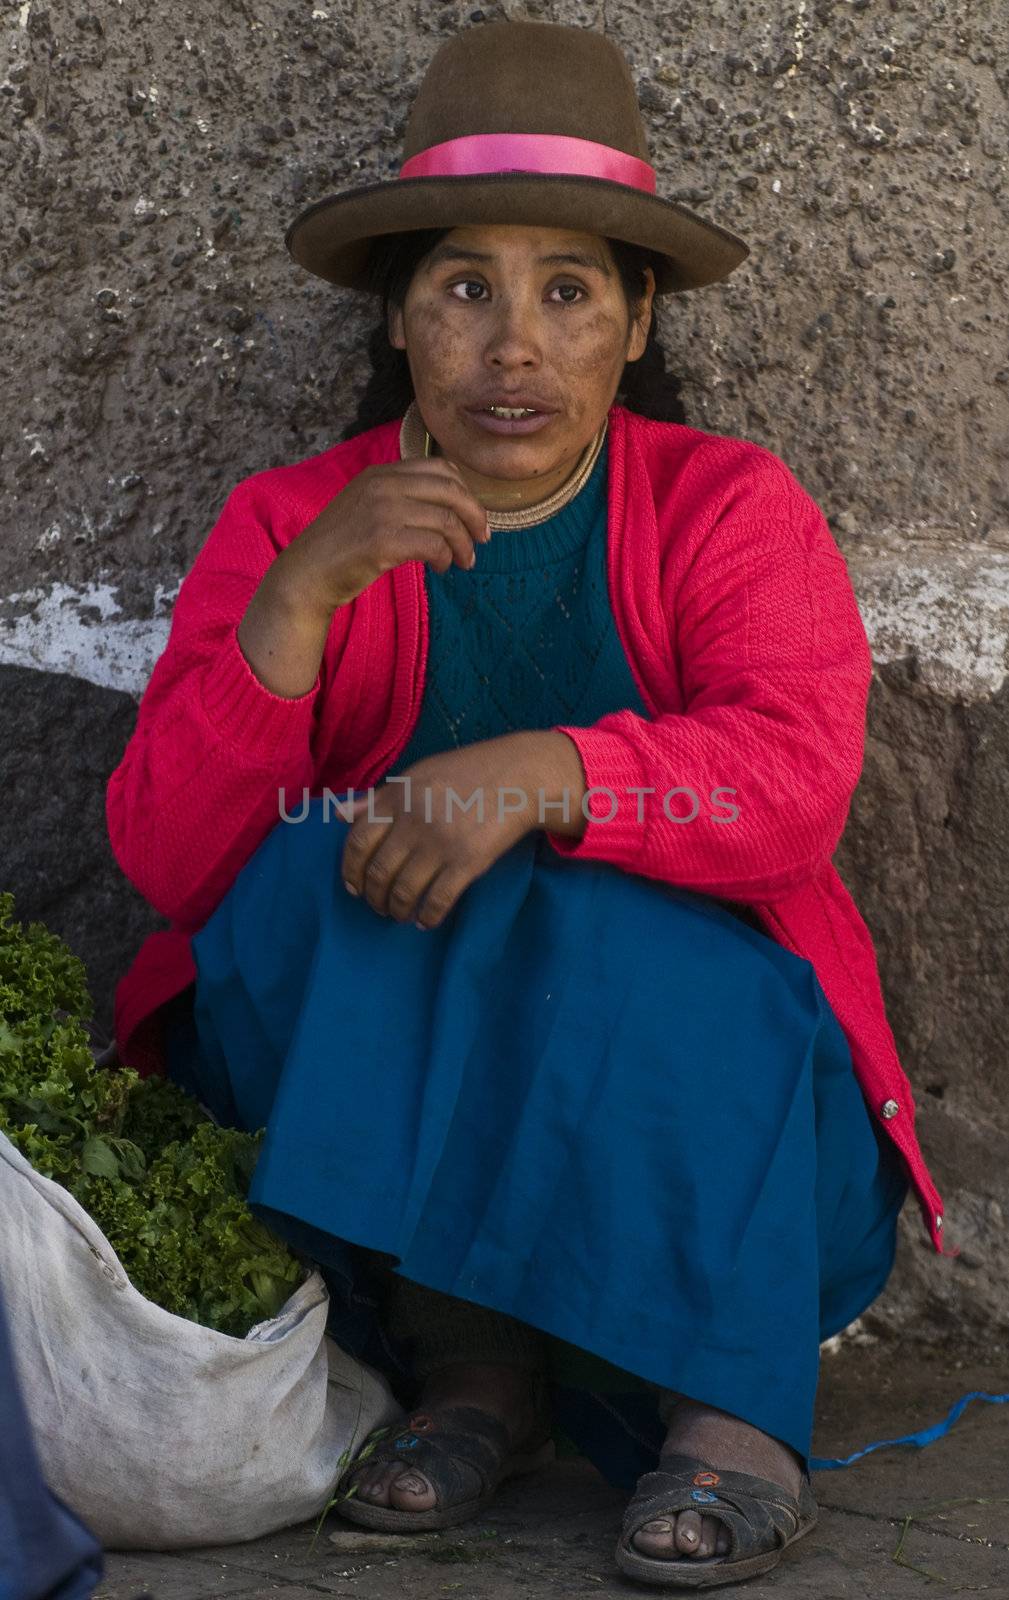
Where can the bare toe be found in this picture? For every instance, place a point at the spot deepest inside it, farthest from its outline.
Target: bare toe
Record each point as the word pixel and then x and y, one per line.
pixel 658 1539
pixel 710 1529
pixel 372 1483
pixel 412 1492
pixel 688 1533
pixel 655 1539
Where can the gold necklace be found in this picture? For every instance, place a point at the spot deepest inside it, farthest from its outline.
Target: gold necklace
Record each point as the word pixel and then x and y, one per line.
pixel 415 442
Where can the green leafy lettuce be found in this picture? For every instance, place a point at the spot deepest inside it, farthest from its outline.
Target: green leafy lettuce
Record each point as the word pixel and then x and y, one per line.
pixel 164 1183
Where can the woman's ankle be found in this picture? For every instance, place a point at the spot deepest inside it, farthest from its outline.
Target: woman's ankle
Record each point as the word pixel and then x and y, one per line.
pixel 509 1391
pixel 727 1441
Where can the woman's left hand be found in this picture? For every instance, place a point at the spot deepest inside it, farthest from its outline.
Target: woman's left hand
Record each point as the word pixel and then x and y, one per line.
pixel 413 861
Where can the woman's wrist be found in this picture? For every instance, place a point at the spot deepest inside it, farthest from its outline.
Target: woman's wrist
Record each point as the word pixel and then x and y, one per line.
pixel 548 769
pixel 283 634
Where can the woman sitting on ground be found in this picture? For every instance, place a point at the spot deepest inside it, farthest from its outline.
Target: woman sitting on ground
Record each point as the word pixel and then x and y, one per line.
pixel 616 1143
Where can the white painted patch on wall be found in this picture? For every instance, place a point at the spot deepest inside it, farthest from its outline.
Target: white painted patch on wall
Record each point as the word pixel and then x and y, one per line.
pixel 921 591
pixel 57 630
pixel 941 598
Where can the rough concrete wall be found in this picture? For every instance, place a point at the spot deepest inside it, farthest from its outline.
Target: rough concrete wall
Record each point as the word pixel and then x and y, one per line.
pixel 158 346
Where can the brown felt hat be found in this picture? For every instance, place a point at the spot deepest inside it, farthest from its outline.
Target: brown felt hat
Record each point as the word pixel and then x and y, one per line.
pixel 520 122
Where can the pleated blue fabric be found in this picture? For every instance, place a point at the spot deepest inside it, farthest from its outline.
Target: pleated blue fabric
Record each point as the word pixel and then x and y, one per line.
pixel 603 1105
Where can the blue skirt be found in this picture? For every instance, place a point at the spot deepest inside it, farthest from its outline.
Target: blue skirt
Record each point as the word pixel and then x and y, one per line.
pixel 601 1104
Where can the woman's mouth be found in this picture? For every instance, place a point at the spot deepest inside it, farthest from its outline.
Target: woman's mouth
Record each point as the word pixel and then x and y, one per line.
pixel 511 419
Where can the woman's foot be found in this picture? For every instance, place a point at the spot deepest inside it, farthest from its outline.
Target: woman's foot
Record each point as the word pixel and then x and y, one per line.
pixel 725 1443
pixel 506 1392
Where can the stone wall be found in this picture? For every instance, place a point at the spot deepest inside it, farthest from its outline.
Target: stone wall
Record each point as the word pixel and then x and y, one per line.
pixel 158 346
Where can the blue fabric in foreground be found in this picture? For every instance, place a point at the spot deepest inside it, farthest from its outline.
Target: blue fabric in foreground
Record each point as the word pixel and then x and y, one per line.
pixel 601 1104
pixel 45 1552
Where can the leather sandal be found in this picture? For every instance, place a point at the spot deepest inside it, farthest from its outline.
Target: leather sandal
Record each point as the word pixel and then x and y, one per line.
pixel 464 1453
pixel 761 1519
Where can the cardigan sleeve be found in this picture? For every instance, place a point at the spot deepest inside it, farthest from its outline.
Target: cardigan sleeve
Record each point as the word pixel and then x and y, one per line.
pixel 196 791
pixel 753 778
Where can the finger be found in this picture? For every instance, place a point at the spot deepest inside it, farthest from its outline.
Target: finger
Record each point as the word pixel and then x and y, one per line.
pixel 359 846
pixel 409 886
pixel 426 544
pixel 450 482
pixel 445 520
pixel 383 868
pixel 453 496
pixel 441 897
pixel 475 515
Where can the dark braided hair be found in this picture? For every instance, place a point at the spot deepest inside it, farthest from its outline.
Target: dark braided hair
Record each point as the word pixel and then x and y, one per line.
pixel 645 386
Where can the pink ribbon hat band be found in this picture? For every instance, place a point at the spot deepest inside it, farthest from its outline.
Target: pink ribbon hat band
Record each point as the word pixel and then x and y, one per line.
pixel 482 153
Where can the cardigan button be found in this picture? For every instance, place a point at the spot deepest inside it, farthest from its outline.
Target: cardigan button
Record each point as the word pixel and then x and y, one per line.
pixel 890 1109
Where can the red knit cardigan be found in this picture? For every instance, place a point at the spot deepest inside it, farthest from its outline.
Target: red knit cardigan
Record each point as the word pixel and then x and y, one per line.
pixel 737 614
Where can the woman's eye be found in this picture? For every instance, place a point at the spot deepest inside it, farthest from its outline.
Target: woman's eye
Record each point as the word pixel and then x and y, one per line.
pixel 568 290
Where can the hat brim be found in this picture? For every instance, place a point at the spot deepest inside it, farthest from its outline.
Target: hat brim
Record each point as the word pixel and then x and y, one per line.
pixel 332 238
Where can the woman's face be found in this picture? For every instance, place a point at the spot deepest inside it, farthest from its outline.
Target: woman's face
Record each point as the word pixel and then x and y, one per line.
pixel 517 316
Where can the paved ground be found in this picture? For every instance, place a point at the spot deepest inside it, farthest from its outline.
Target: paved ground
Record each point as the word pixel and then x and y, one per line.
pixel 900 1523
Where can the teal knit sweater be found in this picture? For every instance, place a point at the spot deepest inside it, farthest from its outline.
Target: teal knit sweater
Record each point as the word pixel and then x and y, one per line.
pixel 526 639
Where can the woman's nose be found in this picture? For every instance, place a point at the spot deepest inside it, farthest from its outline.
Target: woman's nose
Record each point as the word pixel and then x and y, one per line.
pixel 513 341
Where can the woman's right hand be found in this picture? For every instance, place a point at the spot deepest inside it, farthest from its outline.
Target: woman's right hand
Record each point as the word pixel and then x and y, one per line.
pixel 419 510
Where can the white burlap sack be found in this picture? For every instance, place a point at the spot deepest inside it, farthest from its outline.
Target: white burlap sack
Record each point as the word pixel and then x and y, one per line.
pixel 159 1433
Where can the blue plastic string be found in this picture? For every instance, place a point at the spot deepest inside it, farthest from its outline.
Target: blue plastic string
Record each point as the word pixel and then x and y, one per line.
pixel 918 1440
